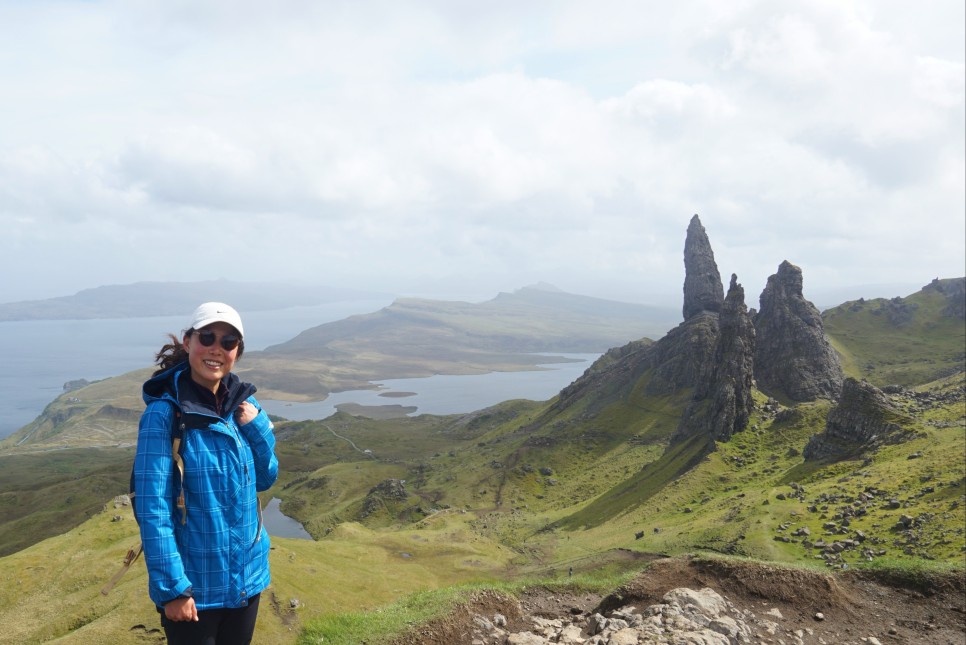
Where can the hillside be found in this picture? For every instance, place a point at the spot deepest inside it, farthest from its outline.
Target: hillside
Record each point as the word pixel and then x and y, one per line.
pixel 479 500
pixel 902 341
pixel 692 443
pixel 410 338
pixel 101 418
pixel 413 338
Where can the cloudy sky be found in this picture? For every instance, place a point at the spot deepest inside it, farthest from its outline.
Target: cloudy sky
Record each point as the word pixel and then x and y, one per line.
pixel 456 148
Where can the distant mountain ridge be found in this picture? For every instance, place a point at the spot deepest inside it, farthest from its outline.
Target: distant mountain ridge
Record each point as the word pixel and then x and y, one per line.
pixel 148 299
pixel 531 319
pixel 412 337
pixel 416 337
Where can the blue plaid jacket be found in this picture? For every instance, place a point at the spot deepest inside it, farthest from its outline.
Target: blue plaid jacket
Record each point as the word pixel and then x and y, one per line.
pixel 220 551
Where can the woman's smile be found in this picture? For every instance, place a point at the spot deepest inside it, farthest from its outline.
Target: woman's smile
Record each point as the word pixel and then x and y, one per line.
pixel 210 363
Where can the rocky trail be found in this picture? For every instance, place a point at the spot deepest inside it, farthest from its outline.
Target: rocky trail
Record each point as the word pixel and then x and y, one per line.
pixel 699 601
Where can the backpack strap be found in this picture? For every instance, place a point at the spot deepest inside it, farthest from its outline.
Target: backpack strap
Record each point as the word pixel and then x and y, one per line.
pixel 177 433
pixel 132 555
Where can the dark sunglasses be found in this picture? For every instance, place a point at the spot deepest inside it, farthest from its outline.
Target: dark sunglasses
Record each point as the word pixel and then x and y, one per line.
pixel 207 338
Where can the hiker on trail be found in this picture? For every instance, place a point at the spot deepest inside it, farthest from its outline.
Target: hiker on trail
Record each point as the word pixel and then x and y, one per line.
pixel 196 503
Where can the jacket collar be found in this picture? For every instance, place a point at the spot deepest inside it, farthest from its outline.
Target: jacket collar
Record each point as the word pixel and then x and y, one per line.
pixel 174 384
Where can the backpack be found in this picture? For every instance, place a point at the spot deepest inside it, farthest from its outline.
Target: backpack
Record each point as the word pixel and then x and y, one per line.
pixel 177 434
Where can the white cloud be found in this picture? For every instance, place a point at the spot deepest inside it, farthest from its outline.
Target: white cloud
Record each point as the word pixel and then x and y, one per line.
pixel 500 144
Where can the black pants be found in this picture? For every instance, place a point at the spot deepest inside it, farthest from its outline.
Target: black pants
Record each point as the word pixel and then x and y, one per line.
pixel 215 626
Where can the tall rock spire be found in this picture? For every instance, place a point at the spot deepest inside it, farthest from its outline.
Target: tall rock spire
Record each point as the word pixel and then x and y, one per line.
pixel 722 401
pixel 702 282
pixel 793 357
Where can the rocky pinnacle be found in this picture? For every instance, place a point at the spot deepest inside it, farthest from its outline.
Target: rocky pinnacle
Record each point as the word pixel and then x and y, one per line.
pixel 722 401
pixel 793 357
pixel 702 282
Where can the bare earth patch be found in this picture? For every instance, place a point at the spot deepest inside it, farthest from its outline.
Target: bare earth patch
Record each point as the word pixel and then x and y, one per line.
pixel 845 608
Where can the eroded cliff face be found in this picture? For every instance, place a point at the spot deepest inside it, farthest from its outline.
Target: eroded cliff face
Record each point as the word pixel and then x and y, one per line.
pixel 720 348
pixel 793 357
pixel 722 402
pixel 864 418
pixel 702 282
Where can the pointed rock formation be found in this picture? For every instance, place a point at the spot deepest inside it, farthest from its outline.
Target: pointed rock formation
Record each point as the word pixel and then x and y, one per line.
pixel 718 351
pixel 677 360
pixel 702 282
pixel 793 357
pixel 864 418
pixel 722 401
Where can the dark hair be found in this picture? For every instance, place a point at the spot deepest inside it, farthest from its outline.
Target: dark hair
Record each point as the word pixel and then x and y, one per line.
pixel 174 352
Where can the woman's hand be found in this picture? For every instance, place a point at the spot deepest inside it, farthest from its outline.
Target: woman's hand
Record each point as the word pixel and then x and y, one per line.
pixel 181 610
pixel 245 413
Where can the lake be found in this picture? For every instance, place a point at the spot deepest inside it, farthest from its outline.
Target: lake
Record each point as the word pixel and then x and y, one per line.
pixel 280 525
pixel 447 394
pixel 38 357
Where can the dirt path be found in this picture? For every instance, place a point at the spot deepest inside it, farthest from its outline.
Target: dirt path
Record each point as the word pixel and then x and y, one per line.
pixel 842 609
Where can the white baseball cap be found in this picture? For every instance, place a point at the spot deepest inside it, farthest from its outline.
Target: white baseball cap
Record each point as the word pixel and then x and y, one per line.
pixel 212 312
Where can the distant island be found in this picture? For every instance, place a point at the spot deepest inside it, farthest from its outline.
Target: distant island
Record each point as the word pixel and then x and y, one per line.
pixel 149 299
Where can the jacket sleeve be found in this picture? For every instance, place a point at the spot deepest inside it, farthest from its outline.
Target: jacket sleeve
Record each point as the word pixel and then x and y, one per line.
pixel 155 500
pixel 261 438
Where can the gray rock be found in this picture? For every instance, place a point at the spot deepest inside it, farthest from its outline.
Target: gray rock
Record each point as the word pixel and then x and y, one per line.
pixel 863 419
pixel 687 617
pixel 793 357
pixel 702 282
pixel 722 402
pixel 389 489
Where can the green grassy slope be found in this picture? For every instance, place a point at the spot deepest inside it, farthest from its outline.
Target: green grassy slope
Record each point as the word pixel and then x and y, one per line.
pixel 52 589
pixel 500 498
pixel 538 480
pixel 45 494
pixel 103 414
pixel 904 341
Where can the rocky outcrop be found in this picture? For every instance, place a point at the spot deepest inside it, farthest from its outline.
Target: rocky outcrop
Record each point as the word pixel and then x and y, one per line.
pixel 383 493
pixel 863 419
pixel 793 357
pixel 954 289
pixel 722 401
pixel 719 350
pixel 679 359
pixel 76 384
pixel 675 362
pixel 684 616
pixel 702 282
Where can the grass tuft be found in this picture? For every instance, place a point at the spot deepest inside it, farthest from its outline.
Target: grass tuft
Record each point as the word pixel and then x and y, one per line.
pixel 391 621
pixel 925 576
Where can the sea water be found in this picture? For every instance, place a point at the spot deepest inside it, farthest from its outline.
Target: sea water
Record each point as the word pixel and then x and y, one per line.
pixel 37 357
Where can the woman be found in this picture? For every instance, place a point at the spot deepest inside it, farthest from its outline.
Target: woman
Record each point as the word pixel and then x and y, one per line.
pixel 204 545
